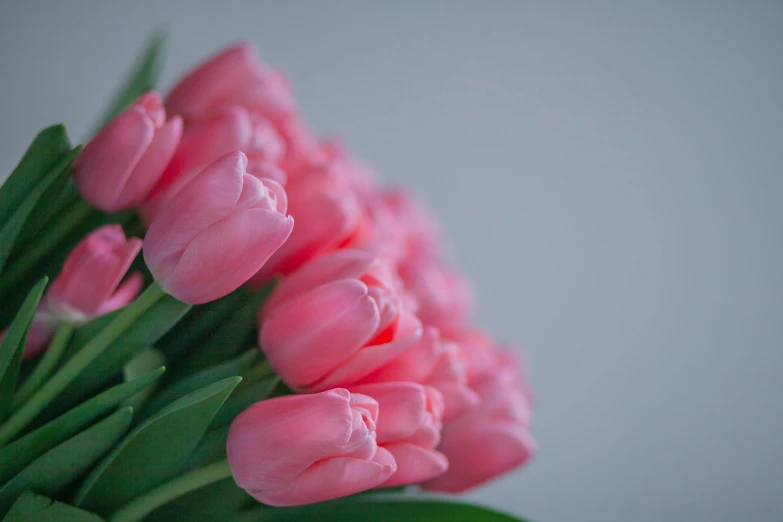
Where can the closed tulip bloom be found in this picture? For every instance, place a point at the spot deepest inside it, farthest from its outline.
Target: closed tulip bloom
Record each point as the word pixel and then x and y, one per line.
pixel 302 449
pixel 232 77
pixel 336 320
pixel 437 363
pixel 89 283
pixel 232 129
pixel 216 232
pixel 492 438
pixel 121 165
pixel 409 427
pixel 417 229
pixel 445 298
pixel 328 217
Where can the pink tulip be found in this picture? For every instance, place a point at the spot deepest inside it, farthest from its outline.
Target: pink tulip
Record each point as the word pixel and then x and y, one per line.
pixel 302 449
pixel 477 349
pixel 409 427
pixel 445 298
pixel 492 438
pixel 437 363
pixel 120 166
pixel 336 320
pixel 232 77
pixel 216 232
pixel 328 217
pixel 418 231
pixel 303 152
pixel 89 283
pixel 205 141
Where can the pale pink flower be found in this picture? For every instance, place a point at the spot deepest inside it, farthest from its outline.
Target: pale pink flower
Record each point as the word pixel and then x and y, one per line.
pixel 121 165
pixel 302 449
pixel 216 232
pixel 336 320
pixel 409 427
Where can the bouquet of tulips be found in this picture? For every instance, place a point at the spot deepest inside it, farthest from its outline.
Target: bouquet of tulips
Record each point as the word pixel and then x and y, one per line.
pixel 211 314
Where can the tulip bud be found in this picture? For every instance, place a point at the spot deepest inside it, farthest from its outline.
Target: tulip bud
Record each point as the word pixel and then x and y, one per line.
pixel 437 363
pixel 88 283
pixel 490 439
pixel 232 129
pixel 121 165
pixel 216 232
pixel 301 449
pixel 232 77
pixel 409 426
pixel 336 320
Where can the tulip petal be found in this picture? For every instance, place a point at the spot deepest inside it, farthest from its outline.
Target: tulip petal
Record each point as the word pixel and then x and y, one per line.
pixel 415 464
pixel 343 264
pixel 481 453
pixel 210 197
pixel 243 241
pixel 331 478
pixel 403 406
pixel 306 338
pixel 370 358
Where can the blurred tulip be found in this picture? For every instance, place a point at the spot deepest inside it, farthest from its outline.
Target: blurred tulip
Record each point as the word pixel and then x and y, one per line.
pixel 336 320
pixel 216 232
pixel 302 449
pixel 417 230
pixel 436 363
pixel 232 77
pixel 409 425
pixel 121 165
pixel 445 298
pixel 89 283
pixel 231 129
pixel 328 217
pixel 493 437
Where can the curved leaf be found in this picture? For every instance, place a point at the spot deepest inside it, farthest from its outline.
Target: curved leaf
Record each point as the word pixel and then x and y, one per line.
pixel 235 367
pixel 12 346
pixel 43 153
pixel 59 466
pixel 18 454
pixel 387 508
pixel 155 451
pixel 32 507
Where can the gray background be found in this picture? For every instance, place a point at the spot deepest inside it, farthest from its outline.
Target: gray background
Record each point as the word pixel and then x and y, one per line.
pixel 609 174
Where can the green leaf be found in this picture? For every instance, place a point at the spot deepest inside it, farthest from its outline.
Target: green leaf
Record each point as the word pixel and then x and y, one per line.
pixel 13 225
pixel 385 508
pixel 142 79
pixel 145 361
pixel 235 367
pixel 243 399
pixel 18 454
pixel 198 323
pixel 32 507
pixel 227 338
pixel 12 346
pixel 208 504
pixel 144 332
pixel 155 451
pixel 44 152
pixel 61 465
pixel 211 448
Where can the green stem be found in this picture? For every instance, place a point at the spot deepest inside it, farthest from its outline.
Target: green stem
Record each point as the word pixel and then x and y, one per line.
pixel 66 375
pixel 143 505
pixel 45 242
pixel 46 365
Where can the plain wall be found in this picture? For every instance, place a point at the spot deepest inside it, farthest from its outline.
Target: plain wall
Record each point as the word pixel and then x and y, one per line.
pixel 609 174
